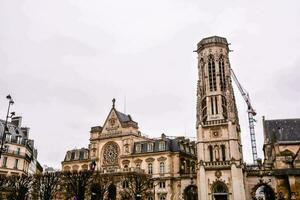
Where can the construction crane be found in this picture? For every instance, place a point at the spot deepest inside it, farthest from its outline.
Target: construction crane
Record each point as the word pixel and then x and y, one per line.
pixel 251 113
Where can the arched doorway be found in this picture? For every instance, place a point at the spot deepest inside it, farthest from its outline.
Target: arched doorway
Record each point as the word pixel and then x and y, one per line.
pixel 190 193
pixel 264 192
pixel 219 191
pixel 112 192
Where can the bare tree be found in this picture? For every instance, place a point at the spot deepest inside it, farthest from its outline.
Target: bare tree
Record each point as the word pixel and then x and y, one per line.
pixel 3 183
pixel 136 185
pixel 19 187
pixel 100 184
pixel 76 184
pixel 46 185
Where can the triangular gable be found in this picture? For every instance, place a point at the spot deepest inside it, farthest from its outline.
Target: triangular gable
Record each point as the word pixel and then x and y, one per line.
pixel 112 123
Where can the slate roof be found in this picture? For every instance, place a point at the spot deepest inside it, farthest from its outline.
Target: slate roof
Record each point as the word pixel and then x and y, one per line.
pixel 123 117
pixel 282 130
pixel 172 145
pixel 82 154
pixel 213 39
pixel 15 132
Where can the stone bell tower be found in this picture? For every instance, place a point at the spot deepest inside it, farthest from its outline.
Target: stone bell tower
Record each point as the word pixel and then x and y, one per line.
pixel 220 173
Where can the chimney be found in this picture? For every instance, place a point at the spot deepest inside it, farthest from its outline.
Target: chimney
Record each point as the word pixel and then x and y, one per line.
pixel 25 131
pixel 17 121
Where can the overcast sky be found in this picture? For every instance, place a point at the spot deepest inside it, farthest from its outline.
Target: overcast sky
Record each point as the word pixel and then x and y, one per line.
pixel 64 61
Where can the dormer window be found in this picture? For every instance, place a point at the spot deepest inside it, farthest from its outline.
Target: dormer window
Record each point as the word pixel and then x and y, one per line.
pixel 138 148
pixel 19 139
pixel 68 156
pixel 162 146
pixel 150 147
pixel 8 137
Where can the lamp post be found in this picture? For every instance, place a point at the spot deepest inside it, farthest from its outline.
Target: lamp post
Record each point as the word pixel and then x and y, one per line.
pixel 10 102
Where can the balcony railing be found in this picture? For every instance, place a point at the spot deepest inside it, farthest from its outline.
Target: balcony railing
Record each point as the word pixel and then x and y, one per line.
pixel 217 164
pixel 17 153
pixel 121 170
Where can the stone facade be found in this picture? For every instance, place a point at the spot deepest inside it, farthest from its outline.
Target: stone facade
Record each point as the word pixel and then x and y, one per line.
pixel 20 157
pixel 217 164
pixel 220 157
pixel 222 172
pixel 119 147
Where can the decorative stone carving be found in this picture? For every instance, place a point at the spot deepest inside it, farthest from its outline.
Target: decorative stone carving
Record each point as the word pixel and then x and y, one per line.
pixel 218 174
pixel 161 158
pixel 150 160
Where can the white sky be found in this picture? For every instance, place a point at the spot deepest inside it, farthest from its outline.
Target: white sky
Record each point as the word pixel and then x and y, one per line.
pixel 63 62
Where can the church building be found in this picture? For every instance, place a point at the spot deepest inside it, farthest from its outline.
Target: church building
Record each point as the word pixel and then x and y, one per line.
pixel 210 168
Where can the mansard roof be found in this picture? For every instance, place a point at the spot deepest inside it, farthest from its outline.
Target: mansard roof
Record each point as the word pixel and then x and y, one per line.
pixel 282 130
pixel 175 144
pixel 15 130
pixel 77 154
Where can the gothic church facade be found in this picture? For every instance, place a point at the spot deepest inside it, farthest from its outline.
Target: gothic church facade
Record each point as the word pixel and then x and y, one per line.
pixel 212 168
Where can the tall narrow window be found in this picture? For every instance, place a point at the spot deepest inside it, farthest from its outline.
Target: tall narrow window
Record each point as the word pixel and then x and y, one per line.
pixel 216 104
pixel 223 152
pixel 212 105
pixel 4 162
pixel 162 167
pixel 224 107
pixel 162 184
pixel 211 154
pixel 222 74
pixel 150 168
pixel 204 109
pixel 212 74
pixel 125 184
pixel 16 163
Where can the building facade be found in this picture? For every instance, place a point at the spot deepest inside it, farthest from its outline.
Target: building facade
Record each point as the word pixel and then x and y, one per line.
pixel 20 157
pixel 220 156
pixel 212 168
pixel 222 173
pixel 119 147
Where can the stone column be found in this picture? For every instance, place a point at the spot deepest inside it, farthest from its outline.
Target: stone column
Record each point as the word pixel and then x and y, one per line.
pixel 238 189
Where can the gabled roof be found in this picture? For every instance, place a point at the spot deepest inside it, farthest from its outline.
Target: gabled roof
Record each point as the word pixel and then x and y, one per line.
pixel 282 130
pixel 124 119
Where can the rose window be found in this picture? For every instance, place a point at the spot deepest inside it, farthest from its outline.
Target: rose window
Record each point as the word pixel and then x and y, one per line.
pixel 110 154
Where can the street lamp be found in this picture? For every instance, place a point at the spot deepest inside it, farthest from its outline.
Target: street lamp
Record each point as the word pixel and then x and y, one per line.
pixel 10 102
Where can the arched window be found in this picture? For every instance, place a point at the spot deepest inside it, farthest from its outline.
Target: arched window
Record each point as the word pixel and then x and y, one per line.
pixel 125 184
pixel 212 74
pixel 162 167
pixel 224 107
pixel 220 191
pixel 204 109
pixel 211 154
pixel 222 74
pixel 150 168
pixel 223 152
